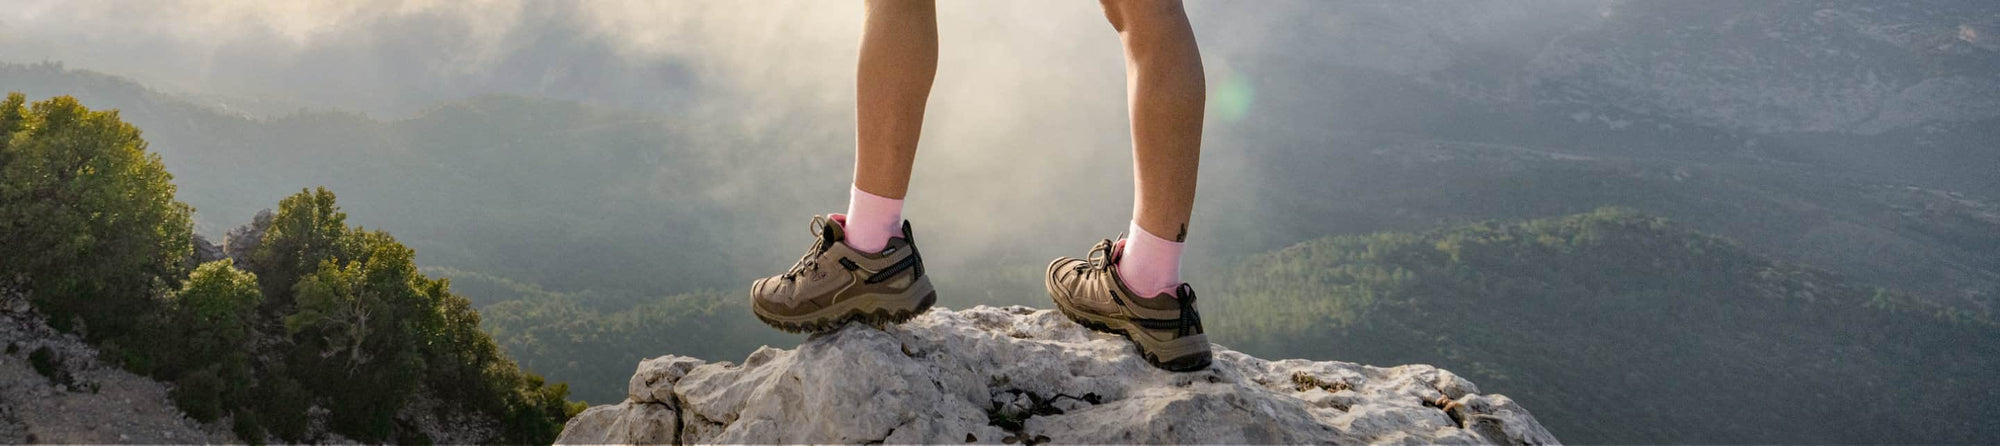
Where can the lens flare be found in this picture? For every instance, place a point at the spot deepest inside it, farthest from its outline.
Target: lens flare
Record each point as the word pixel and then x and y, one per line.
pixel 1231 97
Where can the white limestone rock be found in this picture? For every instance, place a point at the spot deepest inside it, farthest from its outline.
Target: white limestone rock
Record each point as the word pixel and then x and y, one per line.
pixel 654 383
pixel 1022 375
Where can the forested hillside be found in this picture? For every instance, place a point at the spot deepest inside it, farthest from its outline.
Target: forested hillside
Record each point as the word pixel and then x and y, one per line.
pixel 322 328
pixel 1617 326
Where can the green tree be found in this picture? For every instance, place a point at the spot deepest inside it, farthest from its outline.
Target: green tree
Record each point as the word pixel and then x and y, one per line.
pixel 80 192
pixel 13 116
pixel 199 394
pixel 207 332
pixel 307 229
pixel 364 322
pixel 218 307
pixel 368 330
pixel 281 404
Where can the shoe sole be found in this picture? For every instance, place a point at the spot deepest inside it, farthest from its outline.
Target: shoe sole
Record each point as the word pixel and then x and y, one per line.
pixel 871 309
pixel 1183 354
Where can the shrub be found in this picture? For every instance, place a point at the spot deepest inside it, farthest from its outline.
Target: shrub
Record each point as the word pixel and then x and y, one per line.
pixel 281 404
pixel 47 363
pixel 199 394
pixel 247 428
pixel 219 303
pixel 210 321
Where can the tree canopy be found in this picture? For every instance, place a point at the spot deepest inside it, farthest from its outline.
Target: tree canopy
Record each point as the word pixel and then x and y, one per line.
pixel 90 213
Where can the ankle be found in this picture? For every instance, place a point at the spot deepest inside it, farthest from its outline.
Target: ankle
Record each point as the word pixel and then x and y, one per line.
pixel 1150 265
pixel 871 220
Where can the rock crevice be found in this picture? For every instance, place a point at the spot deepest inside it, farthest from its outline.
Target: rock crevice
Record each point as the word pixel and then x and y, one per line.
pixel 1020 375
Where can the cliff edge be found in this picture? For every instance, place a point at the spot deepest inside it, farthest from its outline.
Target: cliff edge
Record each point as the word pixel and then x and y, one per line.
pixel 1022 375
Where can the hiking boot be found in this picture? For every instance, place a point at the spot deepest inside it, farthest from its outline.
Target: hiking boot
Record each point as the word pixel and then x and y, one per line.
pixel 834 283
pixel 1166 328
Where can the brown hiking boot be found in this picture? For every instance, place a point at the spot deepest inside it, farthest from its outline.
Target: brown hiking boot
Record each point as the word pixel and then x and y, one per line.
pixel 833 284
pixel 1166 328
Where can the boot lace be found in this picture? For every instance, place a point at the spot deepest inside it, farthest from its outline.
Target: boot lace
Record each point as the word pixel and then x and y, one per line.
pixel 1190 320
pixel 1100 256
pixel 1100 263
pixel 810 261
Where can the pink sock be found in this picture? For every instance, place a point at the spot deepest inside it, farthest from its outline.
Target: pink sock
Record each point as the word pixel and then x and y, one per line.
pixel 1150 265
pixel 872 220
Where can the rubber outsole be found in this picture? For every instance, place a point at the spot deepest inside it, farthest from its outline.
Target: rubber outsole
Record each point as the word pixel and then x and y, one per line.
pixel 1187 363
pixel 879 317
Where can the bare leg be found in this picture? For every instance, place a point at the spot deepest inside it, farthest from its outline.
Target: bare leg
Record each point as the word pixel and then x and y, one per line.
pixel 898 61
pixel 1164 82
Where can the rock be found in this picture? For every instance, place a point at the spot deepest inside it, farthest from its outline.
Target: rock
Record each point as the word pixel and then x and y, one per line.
pixel 1030 376
pixel 15 304
pixel 445 423
pixel 205 252
pixel 654 383
pixel 238 243
pixel 628 422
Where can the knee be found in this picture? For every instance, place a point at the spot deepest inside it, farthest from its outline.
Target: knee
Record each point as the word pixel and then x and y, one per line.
pixel 1141 15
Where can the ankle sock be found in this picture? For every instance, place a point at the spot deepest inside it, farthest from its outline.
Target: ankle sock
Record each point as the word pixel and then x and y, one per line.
pixel 872 220
pixel 1150 265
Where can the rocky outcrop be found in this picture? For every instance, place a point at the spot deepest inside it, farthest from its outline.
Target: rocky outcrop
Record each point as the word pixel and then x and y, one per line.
pixel 1020 375
pixel 242 239
pixel 205 251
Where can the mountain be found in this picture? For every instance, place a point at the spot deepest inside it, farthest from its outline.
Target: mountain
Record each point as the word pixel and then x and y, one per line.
pixel 1613 324
pixel 1845 66
pixel 1855 67
pixel 1853 135
pixel 499 185
pixel 446 186
pixel 472 185
pixel 1020 375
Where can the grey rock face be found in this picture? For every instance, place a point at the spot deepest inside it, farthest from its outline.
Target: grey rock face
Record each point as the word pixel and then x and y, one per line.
pixel 1018 374
pixel 242 239
pixel 205 251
